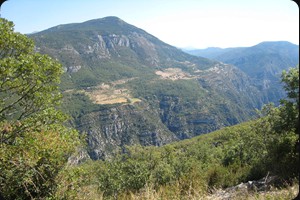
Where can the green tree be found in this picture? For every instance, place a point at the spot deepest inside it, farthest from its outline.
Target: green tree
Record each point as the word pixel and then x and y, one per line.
pixel 280 129
pixel 290 105
pixel 34 143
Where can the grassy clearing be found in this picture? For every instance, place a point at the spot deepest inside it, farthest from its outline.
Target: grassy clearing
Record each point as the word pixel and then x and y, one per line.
pixel 104 94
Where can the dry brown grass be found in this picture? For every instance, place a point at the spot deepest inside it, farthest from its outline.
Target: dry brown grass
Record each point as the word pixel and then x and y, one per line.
pixel 275 193
pixel 173 192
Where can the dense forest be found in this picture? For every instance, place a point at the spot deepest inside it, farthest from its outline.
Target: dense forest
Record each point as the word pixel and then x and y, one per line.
pixel 36 145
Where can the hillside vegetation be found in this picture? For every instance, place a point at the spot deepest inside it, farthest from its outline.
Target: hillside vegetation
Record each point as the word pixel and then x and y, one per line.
pixel 35 144
pixel 193 168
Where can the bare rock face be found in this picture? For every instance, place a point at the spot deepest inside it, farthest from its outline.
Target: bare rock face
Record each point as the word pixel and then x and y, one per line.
pixel 118 40
pixel 108 131
pixel 78 157
pixel 99 48
pixel 73 69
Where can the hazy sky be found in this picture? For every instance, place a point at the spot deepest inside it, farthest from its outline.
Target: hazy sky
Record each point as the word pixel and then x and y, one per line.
pixel 181 23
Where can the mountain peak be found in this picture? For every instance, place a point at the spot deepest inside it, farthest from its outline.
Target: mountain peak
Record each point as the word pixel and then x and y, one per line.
pixel 110 24
pixel 275 45
pixel 110 19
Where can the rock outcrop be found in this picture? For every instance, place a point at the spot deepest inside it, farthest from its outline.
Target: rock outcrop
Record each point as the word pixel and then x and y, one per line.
pixel 243 189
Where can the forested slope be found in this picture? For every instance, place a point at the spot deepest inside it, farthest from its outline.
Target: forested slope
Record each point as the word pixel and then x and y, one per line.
pixel 193 168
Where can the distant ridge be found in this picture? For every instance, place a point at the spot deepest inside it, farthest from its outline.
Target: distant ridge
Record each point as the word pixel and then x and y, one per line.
pixel 263 63
pixel 210 52
pixel 278 54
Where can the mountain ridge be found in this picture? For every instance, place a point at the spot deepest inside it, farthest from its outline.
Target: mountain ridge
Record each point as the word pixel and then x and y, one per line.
pixel 100 24
pixel 125 87
pixel 213 52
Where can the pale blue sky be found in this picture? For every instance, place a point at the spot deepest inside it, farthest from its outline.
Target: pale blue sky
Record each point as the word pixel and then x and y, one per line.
pixel 181 23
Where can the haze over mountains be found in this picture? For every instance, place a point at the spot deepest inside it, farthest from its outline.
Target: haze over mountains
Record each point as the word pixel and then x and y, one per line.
pixel 263 63
pixel 123 86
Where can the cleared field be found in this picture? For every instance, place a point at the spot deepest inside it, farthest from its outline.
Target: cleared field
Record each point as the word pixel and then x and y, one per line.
pixel 109 94
pixel 173 74
pixel 106 94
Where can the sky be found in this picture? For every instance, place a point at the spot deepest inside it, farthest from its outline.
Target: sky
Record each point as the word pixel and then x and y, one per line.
pixel 181 23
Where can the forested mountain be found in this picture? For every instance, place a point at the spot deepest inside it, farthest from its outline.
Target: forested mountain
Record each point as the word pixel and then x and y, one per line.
pixel 123 86
pixel 263 63
pixel 132 102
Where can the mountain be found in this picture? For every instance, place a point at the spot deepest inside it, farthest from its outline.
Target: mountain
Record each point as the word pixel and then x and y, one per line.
pixel 266 57
pixel 263 62
pixel 210 52
pixel 123 86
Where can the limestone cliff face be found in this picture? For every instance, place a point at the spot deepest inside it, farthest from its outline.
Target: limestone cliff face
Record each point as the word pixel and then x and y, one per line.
pixel 109 130
pixel 109 38
pixel 108 46
pixel 101 47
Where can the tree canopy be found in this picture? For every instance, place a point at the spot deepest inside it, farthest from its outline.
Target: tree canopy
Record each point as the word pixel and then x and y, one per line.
pixel 34 143
pixel 290 111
